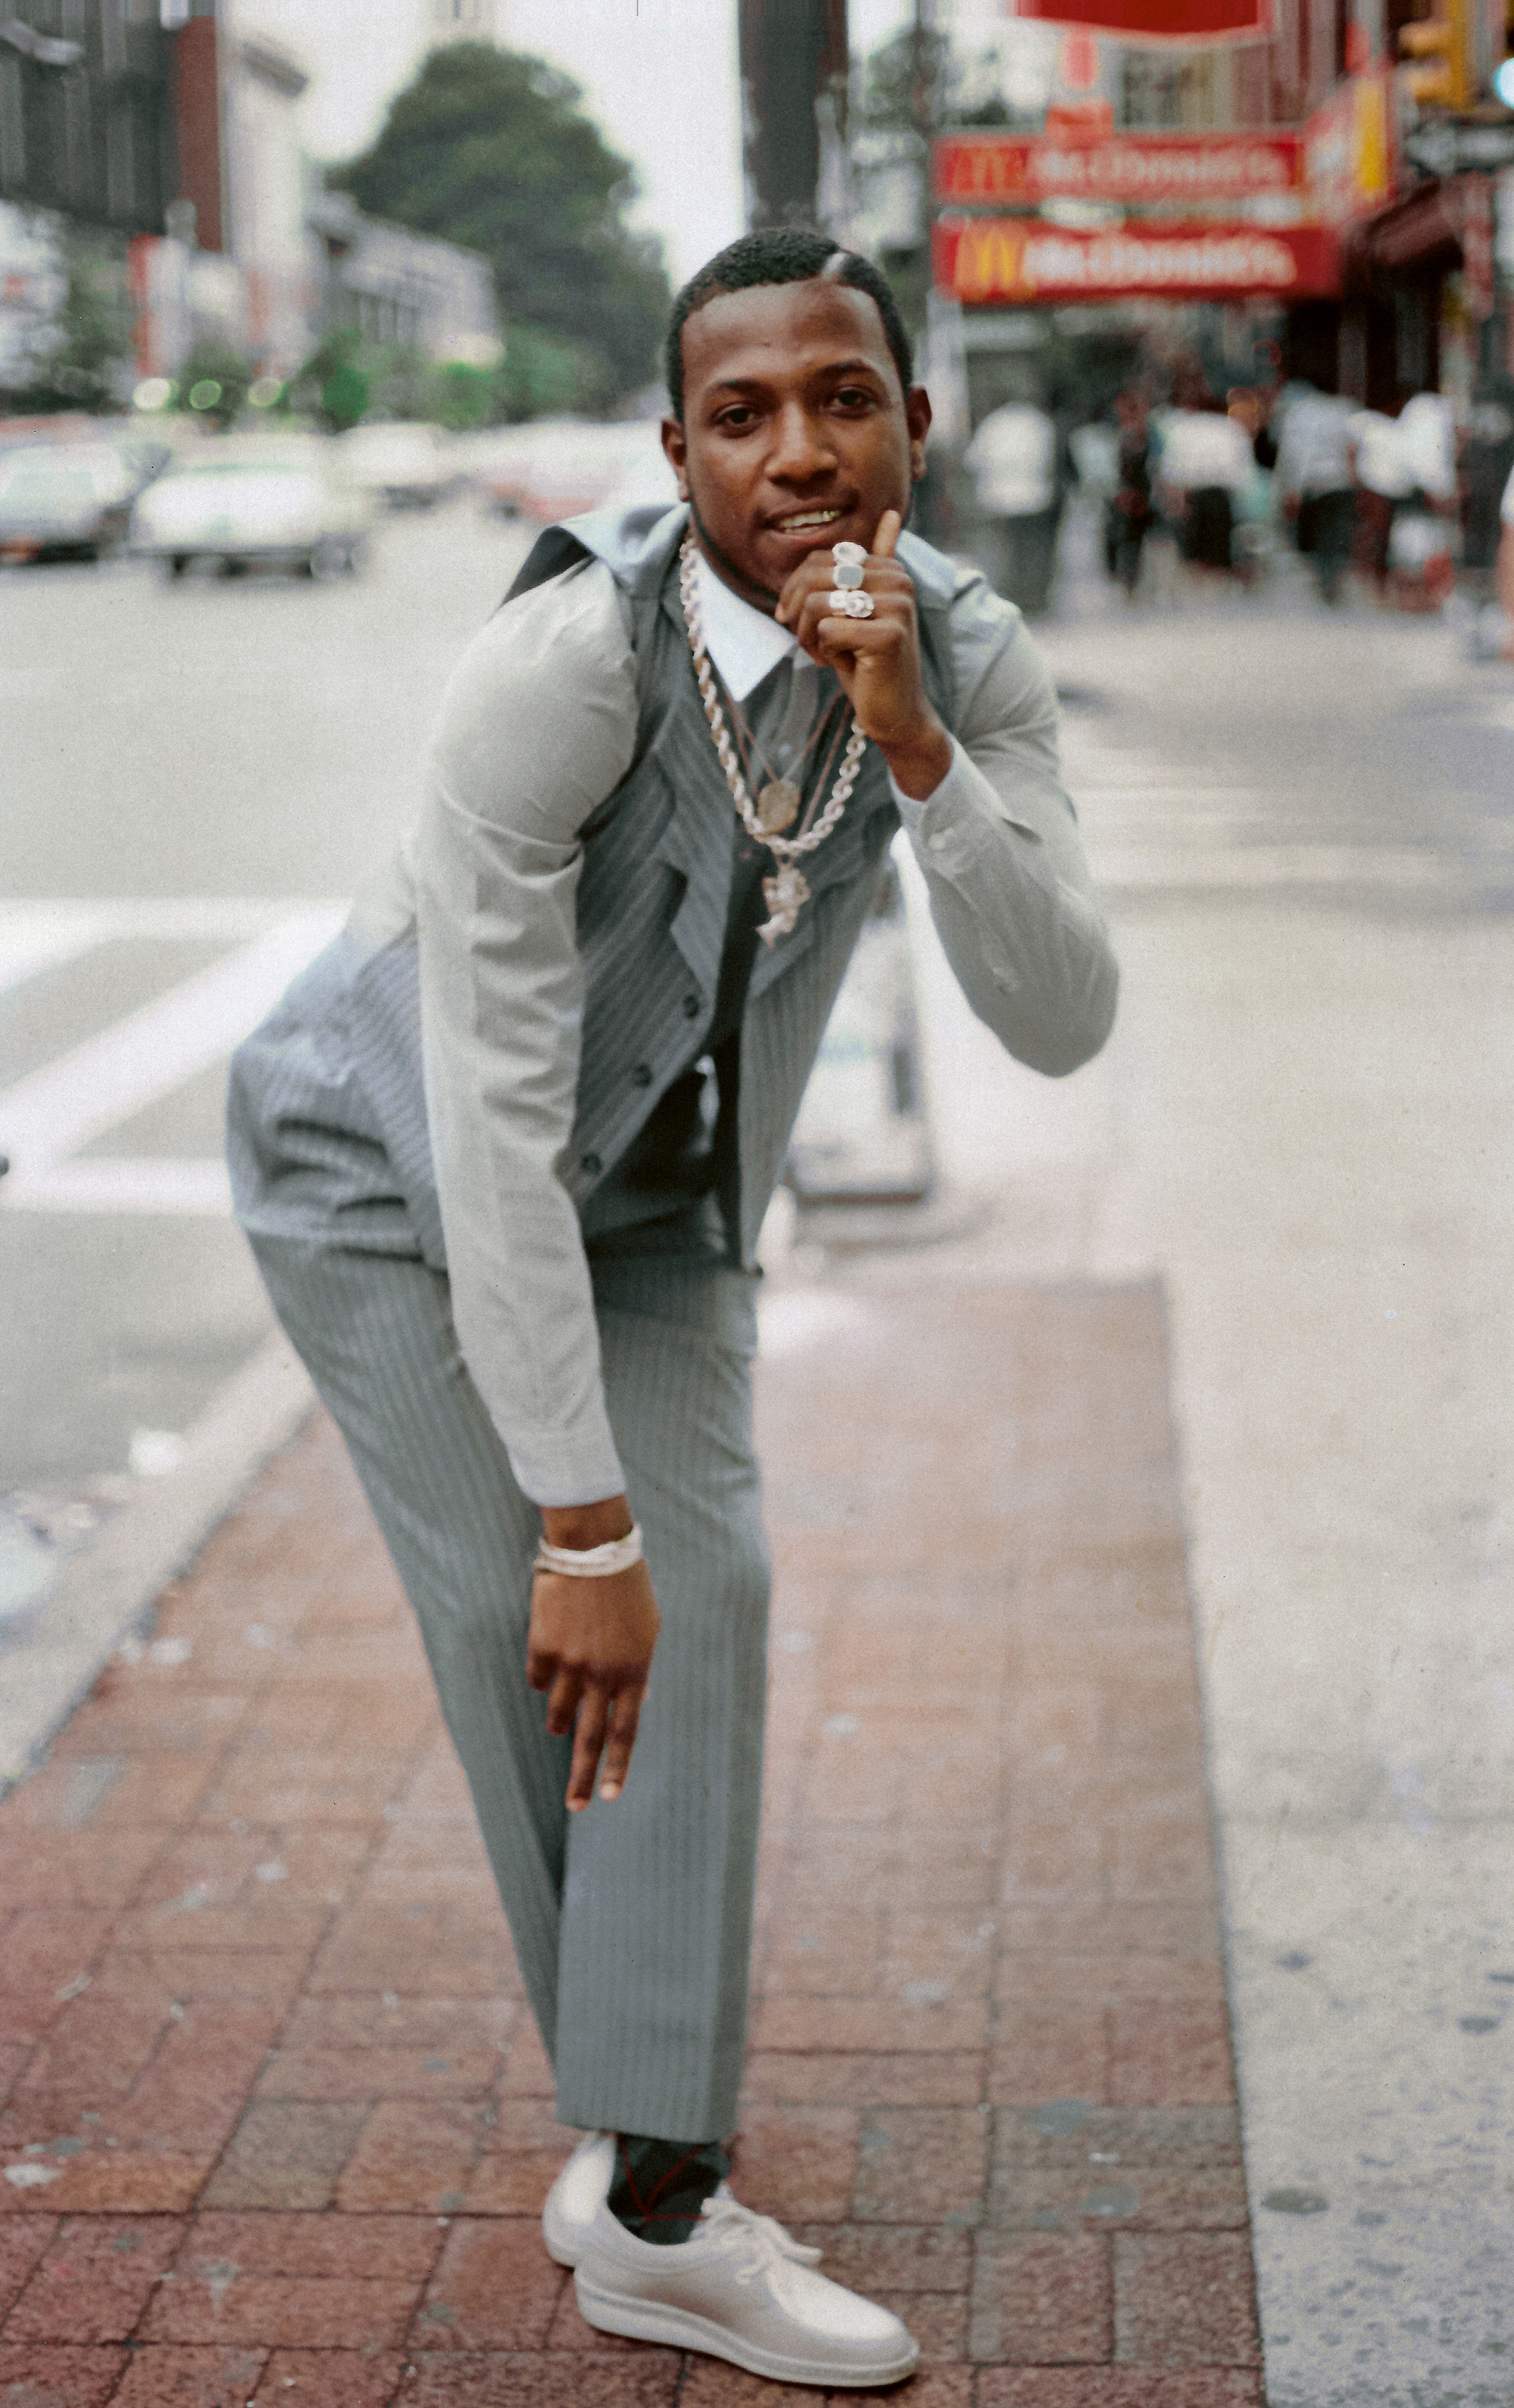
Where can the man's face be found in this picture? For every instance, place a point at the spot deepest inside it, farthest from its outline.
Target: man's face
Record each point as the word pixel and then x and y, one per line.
pixel 795 434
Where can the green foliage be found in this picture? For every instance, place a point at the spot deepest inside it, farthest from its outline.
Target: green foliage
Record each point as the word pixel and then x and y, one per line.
pixel 542 376
pixel 214 365
pixel 904 81
pixel 491 150
pixel 919 81
pixel 333 385
pixel 83 359
pixel 459 397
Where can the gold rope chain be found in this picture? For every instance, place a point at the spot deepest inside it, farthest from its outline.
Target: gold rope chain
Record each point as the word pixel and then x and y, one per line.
pixel 784 850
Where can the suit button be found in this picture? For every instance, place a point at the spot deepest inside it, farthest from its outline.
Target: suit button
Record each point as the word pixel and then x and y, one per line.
pixel 642 1076
pixel 691 1007
pixel 590 1165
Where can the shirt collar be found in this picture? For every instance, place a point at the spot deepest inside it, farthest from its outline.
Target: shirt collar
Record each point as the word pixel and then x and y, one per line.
pixel 744 644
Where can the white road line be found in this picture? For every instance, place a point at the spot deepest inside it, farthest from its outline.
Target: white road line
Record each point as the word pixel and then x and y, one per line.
pixel 38 937
pixel 69 1103
pixel 34 935
pixel 126 1184
pixel 1145 870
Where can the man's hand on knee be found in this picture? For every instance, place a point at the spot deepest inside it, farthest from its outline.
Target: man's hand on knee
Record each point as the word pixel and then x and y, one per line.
pixel 591 1649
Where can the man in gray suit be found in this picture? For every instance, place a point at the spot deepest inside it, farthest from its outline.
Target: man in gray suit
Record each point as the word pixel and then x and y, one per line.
pixel 504 1151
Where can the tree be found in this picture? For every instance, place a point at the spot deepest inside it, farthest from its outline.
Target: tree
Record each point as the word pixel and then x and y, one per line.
pixel 82 359
pixel 491 150
pixel 333 384
pixel 918 81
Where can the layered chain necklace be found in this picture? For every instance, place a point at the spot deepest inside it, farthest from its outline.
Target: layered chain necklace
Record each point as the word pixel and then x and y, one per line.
pixel 778 803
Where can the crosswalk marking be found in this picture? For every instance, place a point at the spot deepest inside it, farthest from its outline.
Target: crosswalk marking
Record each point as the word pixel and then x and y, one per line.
pixel 38 937
pixel 66 1105
pixel 1148 831
pixel 1147 869
pixel 128 1184
pixel 34 934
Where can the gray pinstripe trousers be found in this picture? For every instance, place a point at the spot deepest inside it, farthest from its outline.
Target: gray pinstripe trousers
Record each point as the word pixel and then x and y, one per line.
pixel 632 1922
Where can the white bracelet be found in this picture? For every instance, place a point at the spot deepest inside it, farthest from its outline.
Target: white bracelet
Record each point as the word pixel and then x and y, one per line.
pixel 592 1563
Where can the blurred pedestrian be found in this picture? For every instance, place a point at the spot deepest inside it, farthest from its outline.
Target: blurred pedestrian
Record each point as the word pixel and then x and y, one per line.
pixel 1013 462
pixel 1504 567
pixel 1314 477
pixel 1251 539
pixel 1421 557
pixel 503 1151
pixel 1206 466
pixel 1487 465
pixel 1129 511
pixel 1384 480
pixel 1427 430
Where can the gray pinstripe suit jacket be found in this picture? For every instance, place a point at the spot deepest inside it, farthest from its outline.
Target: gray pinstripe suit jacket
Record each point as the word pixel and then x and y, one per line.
pixel 330 1133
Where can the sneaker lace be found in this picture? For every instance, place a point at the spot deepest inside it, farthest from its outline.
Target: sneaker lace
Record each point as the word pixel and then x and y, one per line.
pixel 760 2241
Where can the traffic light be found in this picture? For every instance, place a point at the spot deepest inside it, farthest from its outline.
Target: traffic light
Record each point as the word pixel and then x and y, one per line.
pixel 1446 42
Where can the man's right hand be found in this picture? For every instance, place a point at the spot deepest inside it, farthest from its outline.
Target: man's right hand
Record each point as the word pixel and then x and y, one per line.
pixel 590 1648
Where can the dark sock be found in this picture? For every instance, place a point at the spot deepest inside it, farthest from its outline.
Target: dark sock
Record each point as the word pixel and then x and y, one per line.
pixel 660 2186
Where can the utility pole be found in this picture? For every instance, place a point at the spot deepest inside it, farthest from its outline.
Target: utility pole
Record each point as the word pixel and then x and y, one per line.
pixel 794 110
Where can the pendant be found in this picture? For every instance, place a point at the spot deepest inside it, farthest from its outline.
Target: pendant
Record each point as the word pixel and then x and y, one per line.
pixel 778 806
pixel 783 895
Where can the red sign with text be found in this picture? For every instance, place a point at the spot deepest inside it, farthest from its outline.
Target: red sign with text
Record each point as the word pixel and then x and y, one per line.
pixel 1156 20
pixel 1130 169
pixel 1011 261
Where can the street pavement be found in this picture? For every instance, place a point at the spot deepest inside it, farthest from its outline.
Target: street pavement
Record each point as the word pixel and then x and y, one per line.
pixel 1302 1129
pixel 194 778
pixel 278 2121
pixel 1297 1144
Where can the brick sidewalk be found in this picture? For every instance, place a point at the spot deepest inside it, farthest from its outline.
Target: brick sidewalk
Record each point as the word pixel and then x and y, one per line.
pixel 278 2124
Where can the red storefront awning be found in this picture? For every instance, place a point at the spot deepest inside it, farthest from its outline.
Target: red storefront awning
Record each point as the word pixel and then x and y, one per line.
pixel 1023 263
pixel 1421 234
pixel 1157 20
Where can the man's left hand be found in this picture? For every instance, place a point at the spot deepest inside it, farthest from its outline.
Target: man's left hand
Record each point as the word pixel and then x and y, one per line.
pixel 877 660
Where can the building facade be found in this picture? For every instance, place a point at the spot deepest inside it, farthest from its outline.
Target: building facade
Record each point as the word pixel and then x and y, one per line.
pixel 398 287
pixel 1408 163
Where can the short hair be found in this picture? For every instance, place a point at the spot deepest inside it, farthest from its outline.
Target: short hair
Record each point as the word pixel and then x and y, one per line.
pixel 783 255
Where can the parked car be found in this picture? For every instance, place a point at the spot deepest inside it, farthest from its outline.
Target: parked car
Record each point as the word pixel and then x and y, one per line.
pixel 62 502
pixel 555 467
pixel 405 465
pixel 264 503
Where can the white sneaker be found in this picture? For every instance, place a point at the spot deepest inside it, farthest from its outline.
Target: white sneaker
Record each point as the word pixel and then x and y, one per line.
pixel 577 2196
pixel 742 2288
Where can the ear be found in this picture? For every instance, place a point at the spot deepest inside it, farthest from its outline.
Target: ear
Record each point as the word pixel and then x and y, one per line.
pixel 918 419
pixel 676 448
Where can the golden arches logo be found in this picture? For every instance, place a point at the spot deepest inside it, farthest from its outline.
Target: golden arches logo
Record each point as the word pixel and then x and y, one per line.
pixel 990 262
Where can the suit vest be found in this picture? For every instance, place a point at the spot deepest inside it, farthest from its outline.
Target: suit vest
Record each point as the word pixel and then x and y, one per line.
pixel 652 905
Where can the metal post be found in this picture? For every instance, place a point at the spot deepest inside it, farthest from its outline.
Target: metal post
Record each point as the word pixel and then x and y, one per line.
pixel 794 84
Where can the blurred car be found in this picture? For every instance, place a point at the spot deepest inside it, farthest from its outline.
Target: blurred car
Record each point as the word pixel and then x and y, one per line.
pixel 143 455
pixel 405 465
pixel 265 505
pixel 62 501
pixel 556 467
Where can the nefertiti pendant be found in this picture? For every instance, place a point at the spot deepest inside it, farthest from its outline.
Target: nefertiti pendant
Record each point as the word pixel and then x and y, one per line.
pixel 783 895
pixel 778 806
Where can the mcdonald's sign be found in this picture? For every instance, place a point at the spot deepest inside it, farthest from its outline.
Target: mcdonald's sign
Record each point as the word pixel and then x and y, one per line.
pixel 1134 169
pixel 1021 262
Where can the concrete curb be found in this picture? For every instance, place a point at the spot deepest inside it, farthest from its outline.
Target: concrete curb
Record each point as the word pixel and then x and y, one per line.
pixel 101 1594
